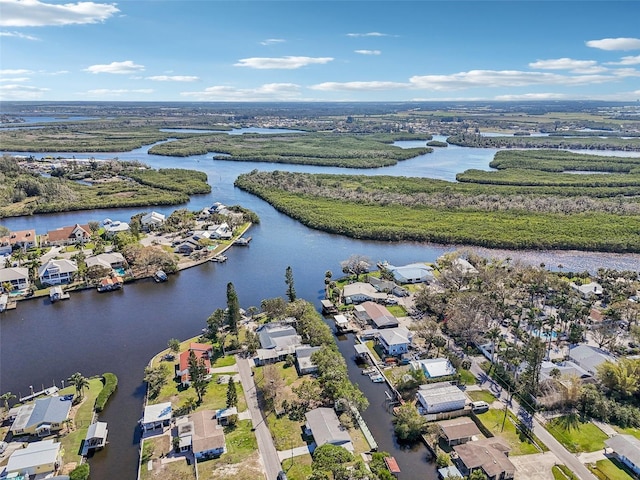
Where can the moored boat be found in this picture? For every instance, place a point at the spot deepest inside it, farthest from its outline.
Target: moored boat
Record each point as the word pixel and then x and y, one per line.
pixel 160 276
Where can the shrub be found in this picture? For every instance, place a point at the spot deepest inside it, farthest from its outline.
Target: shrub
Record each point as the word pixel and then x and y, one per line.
pixel 81 472
pixel 110 385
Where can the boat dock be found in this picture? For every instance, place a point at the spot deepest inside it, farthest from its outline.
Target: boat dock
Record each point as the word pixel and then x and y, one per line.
pixel 219 258
pixel 56 293
pixel 6 303
pixel 45 391
pixel 242 241
pixel 328 308
pixel 368 436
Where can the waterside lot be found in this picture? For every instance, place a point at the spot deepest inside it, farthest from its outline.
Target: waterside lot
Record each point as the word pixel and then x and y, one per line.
pixel 576 435
pixel 520 444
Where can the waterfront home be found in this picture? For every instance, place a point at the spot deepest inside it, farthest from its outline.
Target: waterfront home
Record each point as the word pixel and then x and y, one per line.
pixel 433 367
pixel 489 455
pixel 325 427
pixel 201 433
pixel 18 277
pixel 188 246
pixel 222 231
pixel 96 437
pixel 412 273
pixel 463 266
pixel 37 458
pixel 156 416
pixel 588 290
pixel 441 397
pixel 304 364
pixel 42 417
pixel 152 220
pixel 67 235
pixel 627 449
pixel 277 341
pixel 23 239
pixel 449 472
pixel 395 341
pixel 112 228
pixel 5 245
pixel 359 292
pixel 57 271
pixel 378 315
pixel 114 282
pixel 457 431
pixel 201 352
pixel 589 358
pixel 111 260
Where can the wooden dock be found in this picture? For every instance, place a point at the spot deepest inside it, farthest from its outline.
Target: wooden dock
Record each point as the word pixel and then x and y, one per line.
pixel 368 436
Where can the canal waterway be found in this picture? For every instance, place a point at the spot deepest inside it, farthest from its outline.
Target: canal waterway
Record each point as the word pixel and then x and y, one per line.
pixel 43 343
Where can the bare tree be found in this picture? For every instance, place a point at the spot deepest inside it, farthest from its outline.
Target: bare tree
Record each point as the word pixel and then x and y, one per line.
pixel 356 265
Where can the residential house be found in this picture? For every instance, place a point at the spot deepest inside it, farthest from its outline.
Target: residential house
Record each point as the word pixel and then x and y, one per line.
pixel 96 436
pixel 463 266
pixel 304 364
pixel 23 239
pixel 376 314
pixel 110 260
pixel 627 449
pixel 458 431
pixel 112 228
pixel 42 417
pixel 222 231
pixel 224 414
pixel 588 357
pixel 359 292
pixel 202 353
pixel 277 341
pixel 588 290
pixel 38 458
pixel 152 220
pixel 447 473
pixel 57 271
pixel 433 367
pixel 156 416
pixel 5 245
pixel 412 273
pixel 18 277
pixel 395 341
pixel 68 235
pixel 188 246
pixel 440 397
pixel 325 427
pixel 201 433
pixel 566 369
pixel 489 455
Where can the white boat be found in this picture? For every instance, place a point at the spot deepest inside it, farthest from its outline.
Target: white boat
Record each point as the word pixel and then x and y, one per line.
pixel 376 378
pixel 160 276
pixel 4 301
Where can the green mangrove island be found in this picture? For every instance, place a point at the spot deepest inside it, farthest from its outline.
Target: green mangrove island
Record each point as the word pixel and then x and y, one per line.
pixel 529 214
pixel 75 185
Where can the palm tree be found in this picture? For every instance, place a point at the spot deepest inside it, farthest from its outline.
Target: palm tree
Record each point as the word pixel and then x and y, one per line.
pixel 78 381
pixel 5 397
pixel 493 335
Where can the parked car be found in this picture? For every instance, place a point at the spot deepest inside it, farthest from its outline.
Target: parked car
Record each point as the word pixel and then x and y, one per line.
pixel 281 475
pixel 479 407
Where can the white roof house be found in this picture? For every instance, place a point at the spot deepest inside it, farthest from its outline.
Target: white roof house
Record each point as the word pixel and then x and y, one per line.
pixel 107 260
pixel 441 397
pixel 275 335
pixel 433 367
pixel 587 290
pixel 412 273
pixel 627 448
pixel 156 416
pixel 153 219
pixel 589 358
pixel 361 292
pixel 326 428
pixel 395 341
pixel 18 277
pixel 116 227
pixel 57 271
pixel 37 458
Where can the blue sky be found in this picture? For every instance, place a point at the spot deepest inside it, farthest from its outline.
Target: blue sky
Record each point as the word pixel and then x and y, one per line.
pixel 184 50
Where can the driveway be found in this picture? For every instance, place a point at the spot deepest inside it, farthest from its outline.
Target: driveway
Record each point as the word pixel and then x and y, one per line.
pixel 534 467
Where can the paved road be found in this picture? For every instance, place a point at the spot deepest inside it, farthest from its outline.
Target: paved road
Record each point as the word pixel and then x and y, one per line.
pixel 566 457
pixel 265 442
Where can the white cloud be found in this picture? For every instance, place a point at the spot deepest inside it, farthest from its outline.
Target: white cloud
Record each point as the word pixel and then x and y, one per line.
pixel 20 92
pixel 34 13
pixel 15 79
pixel 116 67
pixel 532 96
pixel 288 63
pixel 627 61
pixel 615 44
pixel 368 52
pixel 173 78
pixel 18 35
pixel 17 71
pixel 271 41
pixel 563 64
pixel 269 91
pixel 368 34
pixel 118 91
pixel 359 86
pixel 626 72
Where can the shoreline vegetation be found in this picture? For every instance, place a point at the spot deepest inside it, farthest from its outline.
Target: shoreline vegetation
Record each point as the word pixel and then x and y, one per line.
pixel 73 185
pixel 420 209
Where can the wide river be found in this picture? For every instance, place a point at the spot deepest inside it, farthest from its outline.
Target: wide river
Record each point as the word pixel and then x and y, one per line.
pixel 43 343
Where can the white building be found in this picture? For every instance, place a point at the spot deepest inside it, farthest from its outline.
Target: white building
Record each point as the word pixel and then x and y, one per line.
pixel 152 220
pixel 433 367
pixel 56 272
pixel 395 341
pixel 441 397
pixel 38 458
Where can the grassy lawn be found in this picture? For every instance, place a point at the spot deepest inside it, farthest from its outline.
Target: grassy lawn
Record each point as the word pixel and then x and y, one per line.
pixel 561 472
pixel 224 361
pixel 299 468
pixel 286 433
pixel 371 344
pixel 155 447
pixel 628 431
pixel 72 442
pixel 575 435
pixel 466 377
pixel 481 395
pixel 397 310
pixel 519 443
pixel 609 469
